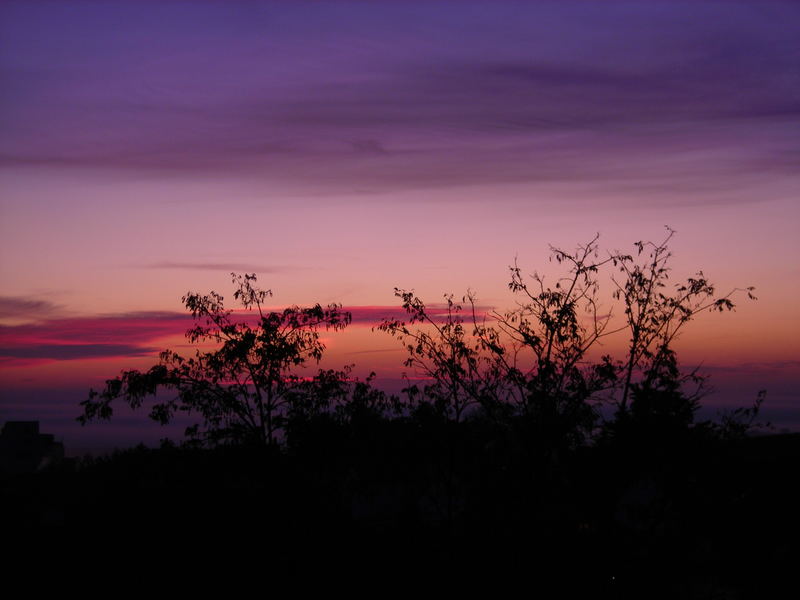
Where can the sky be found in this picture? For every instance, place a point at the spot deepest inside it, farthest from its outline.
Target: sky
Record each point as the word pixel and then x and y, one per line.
pixel 342 149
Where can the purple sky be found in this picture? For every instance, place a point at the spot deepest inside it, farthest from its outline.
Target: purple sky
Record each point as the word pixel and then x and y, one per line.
pixel 645 97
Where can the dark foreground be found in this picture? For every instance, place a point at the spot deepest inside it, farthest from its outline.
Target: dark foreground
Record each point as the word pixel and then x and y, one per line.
pixel 693 517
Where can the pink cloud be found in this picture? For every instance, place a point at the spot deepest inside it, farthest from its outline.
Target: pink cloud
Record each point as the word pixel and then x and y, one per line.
pixel 16 307
pixel 138 334
pixel 128 328
pixel 130 334
pixel 373 315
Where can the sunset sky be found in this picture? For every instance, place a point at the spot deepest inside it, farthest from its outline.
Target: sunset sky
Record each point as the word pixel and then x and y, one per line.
pixel 342 149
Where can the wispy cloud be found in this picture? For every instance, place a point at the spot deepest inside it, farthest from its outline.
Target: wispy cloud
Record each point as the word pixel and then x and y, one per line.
pixel 141 333
pixel 777 366
pixel 72 351
pixel 217 266
pixel 98 337
pixel 378 351
pixel 17 307
pixel 132 327
pixel 673 95
pixel 374 315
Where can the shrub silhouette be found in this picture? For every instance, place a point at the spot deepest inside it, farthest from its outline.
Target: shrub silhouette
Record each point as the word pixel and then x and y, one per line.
pixel 655 315
pixel 460 378
pixel 524 437
pixel 529 370
pixel 245 389
pixel 531 362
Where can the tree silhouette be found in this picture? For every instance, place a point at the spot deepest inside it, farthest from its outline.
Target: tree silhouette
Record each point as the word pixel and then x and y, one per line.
pixel 246 388
pixel 533 360
pixel 549 334
pixel 447 350
pixel 535 363
pixel 653 387
pixel 503 445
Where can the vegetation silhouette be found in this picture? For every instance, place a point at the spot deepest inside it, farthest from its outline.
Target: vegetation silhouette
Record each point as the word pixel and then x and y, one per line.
pixel 531 362
pixel 249 386
pixel 526 452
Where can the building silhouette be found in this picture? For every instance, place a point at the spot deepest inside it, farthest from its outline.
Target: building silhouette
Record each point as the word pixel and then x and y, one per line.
pixel 24 450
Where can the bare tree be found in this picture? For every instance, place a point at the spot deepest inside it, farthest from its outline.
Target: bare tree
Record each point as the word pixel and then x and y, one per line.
pixel 447 350
pixel 655 314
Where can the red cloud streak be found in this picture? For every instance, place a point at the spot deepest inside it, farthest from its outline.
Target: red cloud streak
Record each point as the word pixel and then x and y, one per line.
pixel 135 334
